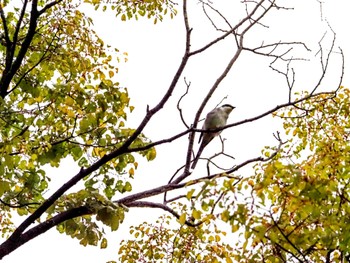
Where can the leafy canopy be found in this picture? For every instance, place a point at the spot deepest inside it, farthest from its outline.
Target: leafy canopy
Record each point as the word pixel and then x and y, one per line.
pixel 60 97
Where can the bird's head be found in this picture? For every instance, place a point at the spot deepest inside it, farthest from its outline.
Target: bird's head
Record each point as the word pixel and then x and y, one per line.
pixel 227 108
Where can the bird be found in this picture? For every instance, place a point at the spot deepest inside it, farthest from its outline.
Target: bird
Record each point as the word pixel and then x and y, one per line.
pixel 215 119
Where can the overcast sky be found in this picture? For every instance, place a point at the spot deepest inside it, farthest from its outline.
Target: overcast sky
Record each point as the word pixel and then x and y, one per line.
pixel 155 52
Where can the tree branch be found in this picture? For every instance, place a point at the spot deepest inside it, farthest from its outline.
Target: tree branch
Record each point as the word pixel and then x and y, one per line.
pixel 161 206
pixel 4 24
pixel 11 68
pixel 48 6
pixel 11 244
pixel 16 235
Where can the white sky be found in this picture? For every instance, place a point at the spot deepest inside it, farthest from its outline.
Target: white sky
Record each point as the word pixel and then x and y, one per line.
pixel 155 52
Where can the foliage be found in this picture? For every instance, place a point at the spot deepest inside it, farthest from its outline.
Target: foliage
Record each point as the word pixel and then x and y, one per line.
pixel 60 97
pixel 156 9
pixel 295 208
pixel 307 186
pixel 160 242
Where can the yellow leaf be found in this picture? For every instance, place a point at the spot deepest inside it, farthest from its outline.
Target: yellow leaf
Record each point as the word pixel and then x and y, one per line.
pixel 34 156
pixel 225 216
pixel 151 154
pixel 71 114
pixel 123 17
pixel 275 210
pixel 99 152
pixel 18 189
pixel 103 243
pixel 234 228
pixel 182 219
pixel 189 194
pixel 110 73
pixel 96 151
pixel 196 214
pixel 295 132
pixel 131 171
pixel 39 99
pixel 69 101
pixel 251 182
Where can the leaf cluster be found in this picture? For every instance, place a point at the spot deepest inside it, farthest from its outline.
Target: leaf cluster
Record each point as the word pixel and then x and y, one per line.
pixel 60 98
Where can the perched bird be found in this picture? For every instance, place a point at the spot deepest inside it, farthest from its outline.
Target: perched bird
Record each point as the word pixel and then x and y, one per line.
pixel 215 119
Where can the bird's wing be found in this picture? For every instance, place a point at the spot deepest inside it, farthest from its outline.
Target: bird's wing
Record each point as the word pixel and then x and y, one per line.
pixel 207 122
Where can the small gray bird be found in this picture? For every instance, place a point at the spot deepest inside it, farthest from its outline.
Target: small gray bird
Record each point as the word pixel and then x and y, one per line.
pixel 215 119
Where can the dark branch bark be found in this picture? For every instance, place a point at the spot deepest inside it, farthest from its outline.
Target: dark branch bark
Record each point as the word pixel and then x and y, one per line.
pixel 12 244
pixel 21 236
pixel 48 6
pixel 247 18
pixel 4 24
pixel 219 80
pixel 18 233
pixel 160 206
pixel 13 64
pixel 12 67
pixel 18 27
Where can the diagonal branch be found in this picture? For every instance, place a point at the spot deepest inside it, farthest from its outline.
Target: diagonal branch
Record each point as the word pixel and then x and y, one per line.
pixel 41 59
pixel 4 24
pixel 247 18
pixel 287 238
pixel 84 172
pixel 216 85
pixel 161 206
pixel 18 27
pixel 11 68
pixel 10 245
pixel 48 6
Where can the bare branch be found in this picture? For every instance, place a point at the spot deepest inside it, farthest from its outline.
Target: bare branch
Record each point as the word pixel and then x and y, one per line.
pixel 174 198
pixel 273 47
pixel 217 12
pixel 324 64
pixel 216 85
pixel 188 84
pixel 229 32
pixel 163 207
pixel 262 115
pixel 48 6
pixel 218 200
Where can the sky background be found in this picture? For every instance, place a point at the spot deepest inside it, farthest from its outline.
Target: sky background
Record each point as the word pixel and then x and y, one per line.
pixel 155 52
